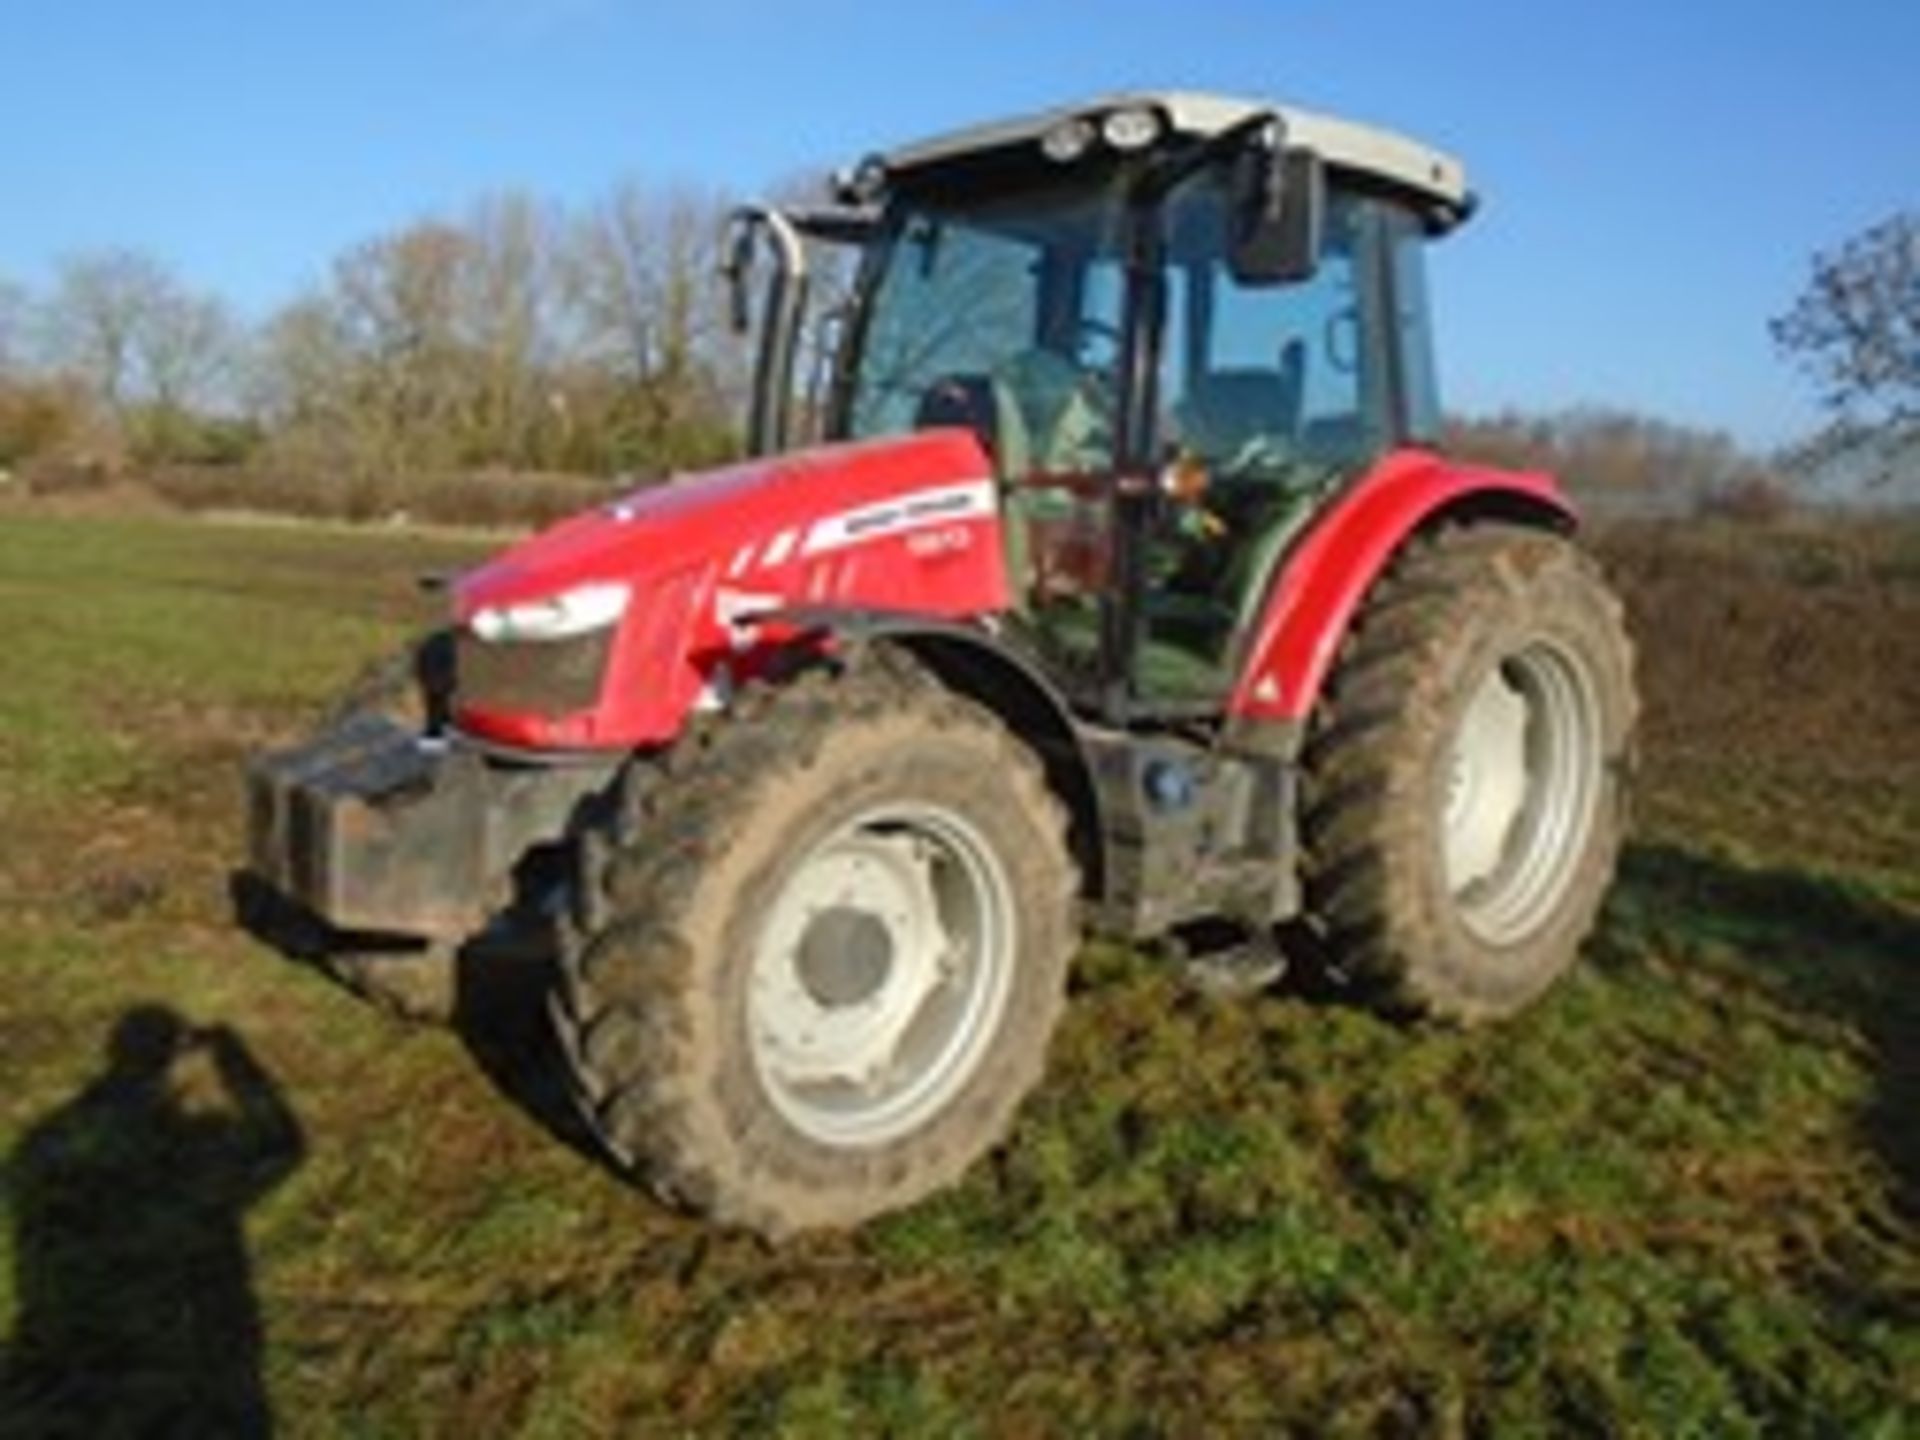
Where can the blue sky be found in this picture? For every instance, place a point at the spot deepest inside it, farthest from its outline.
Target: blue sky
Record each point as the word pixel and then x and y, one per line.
pixel 1655 175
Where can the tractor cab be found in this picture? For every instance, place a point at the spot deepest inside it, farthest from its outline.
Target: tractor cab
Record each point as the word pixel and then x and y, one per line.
pixel 1176 325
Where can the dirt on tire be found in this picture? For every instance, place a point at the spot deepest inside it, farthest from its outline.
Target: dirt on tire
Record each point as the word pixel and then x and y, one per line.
pixel 1454 607
pixel 650 1005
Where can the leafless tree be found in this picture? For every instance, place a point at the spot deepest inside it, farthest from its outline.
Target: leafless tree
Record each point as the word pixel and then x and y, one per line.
pixel 100 302
pixel 628 284
pixel 399 305
pixel 15 310
pixel 506 321
pixel 643 284
pixel 123 323
pixel 304 390
pixel 1618 462
pixel 184 349
pixel 517 337
pixel 1856 326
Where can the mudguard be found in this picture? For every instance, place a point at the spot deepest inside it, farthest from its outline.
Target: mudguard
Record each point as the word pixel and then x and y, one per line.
pixel 1320 584
pixel 972 661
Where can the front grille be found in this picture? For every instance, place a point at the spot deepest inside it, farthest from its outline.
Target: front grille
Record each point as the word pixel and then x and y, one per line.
pixel 527 677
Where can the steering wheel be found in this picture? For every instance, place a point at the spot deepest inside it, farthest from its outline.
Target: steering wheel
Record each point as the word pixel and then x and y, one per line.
pixel 1185 485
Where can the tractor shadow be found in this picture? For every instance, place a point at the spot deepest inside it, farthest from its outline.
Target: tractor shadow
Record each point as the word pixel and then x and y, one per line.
pixel 1811 945
pixel 492 994
pixel 500 1015
pixel 1817 946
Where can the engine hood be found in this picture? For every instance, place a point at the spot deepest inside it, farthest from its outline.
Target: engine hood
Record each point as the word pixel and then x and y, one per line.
pixel 718 515
pixel 708 565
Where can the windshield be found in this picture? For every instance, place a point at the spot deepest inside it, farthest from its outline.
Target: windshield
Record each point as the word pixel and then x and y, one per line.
pixel 1003 317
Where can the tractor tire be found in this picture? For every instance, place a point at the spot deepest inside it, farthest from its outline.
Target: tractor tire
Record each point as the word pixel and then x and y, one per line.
pixel 1466 774
pixel 824 943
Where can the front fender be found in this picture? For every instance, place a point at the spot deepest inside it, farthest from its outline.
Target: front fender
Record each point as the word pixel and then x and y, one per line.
pixel 971 661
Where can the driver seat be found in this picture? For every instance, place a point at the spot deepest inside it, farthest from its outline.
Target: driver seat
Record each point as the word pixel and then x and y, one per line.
pixel 964 402
pixel 1226 411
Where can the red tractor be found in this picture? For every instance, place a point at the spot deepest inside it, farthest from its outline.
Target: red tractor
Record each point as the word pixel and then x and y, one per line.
pixel 1130 593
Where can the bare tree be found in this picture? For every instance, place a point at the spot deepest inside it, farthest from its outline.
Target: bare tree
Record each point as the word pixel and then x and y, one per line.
pixel 399 304
pixel 506 322
pixel 302 388
pixel 613 283
pixel 126 326
pixel 101 300
pixel 184 350
pixel 644 288
pixel 518 337
pixel 14 318
pixel 1620 463
pixel 1856 326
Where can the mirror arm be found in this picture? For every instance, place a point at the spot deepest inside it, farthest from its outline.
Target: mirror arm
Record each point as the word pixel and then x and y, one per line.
pixel 1163 175
pixel 780 334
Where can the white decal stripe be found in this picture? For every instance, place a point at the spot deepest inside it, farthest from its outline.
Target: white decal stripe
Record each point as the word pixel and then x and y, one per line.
pixel 780 548
pixel 943 504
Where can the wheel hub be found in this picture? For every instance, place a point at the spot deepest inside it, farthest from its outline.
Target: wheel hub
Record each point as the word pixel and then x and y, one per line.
pixel 844 958
pixel 878 975
pixel 1486 779
pixel 851 951
pixel 1522 783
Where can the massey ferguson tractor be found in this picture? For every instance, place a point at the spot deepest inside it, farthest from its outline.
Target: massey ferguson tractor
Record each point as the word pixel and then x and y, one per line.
pixel 1128 592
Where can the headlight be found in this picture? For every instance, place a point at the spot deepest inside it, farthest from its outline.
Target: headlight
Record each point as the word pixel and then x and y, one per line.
pixel 1067 141
pixel 578 611
pixel 1133 129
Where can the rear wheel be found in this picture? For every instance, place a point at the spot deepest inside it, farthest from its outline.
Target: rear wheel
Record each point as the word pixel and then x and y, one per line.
pixel 828 948
pixel 1466 773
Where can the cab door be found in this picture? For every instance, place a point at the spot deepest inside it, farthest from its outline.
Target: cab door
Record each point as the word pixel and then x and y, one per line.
pixel 1270 398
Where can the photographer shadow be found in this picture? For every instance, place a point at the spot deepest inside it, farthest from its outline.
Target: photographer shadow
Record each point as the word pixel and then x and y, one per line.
pixel 136 1310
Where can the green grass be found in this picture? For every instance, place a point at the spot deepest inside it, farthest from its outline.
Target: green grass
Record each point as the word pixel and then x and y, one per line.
pixel 1676 1199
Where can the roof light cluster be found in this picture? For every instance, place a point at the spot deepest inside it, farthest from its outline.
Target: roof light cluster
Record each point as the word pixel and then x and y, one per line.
pixel 1133 128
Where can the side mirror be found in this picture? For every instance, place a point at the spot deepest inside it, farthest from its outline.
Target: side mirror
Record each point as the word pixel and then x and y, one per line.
pixel 1278 205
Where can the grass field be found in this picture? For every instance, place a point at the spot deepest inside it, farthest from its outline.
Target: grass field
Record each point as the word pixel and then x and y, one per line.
pixel 1679 1198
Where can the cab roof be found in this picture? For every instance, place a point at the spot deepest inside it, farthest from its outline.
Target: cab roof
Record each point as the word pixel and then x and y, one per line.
pixel 1431 175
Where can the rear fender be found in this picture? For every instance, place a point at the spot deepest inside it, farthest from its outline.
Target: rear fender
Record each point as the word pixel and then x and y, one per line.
pixel 1320 584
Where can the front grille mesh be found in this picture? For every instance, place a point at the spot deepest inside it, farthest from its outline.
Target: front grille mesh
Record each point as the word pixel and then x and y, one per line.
pixel 547 677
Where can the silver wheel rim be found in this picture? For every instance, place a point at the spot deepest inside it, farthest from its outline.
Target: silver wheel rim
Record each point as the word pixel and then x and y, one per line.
pixel 880 975
pixel 1522 784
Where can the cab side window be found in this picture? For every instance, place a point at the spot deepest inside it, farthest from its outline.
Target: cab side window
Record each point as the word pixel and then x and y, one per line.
pixel 1263 377
pixel 1270 396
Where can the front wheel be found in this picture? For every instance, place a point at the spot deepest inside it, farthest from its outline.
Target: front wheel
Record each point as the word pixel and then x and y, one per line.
pixel 1466 773
pixel 831 952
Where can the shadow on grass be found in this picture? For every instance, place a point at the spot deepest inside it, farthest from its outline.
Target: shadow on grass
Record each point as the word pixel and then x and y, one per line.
pixel 492 993
pixel 136 1307
pixel 1825 947
pixel 500 1015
